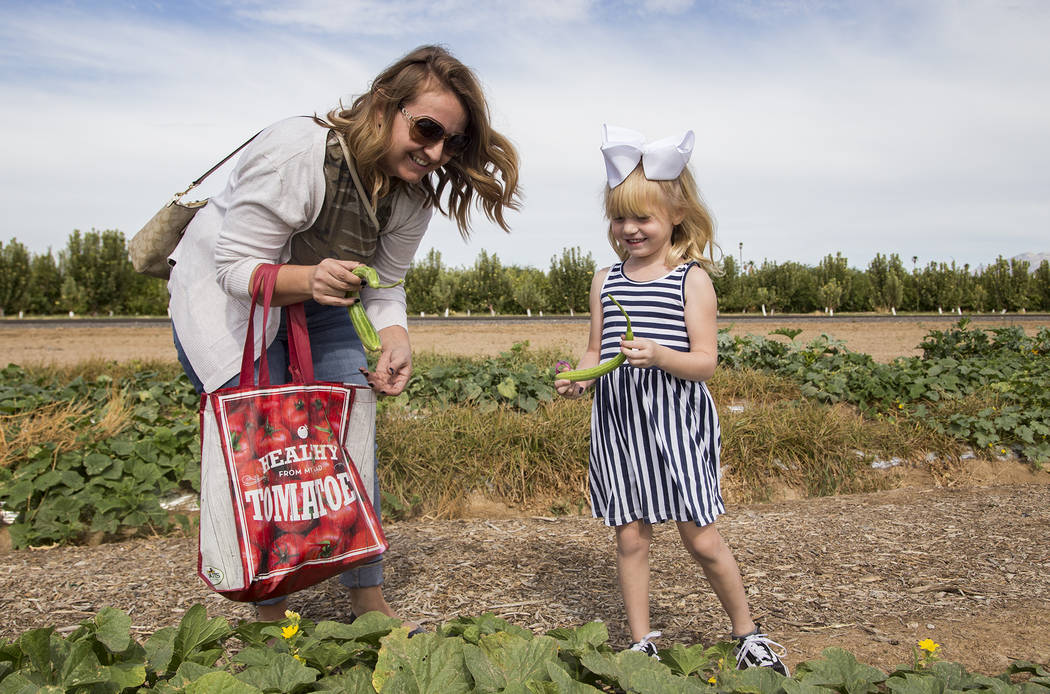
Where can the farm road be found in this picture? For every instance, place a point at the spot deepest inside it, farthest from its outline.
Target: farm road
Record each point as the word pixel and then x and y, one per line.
pixel 68 342
pixel 873 573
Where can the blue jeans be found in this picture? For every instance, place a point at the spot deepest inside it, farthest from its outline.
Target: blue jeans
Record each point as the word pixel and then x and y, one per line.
pixel 338 355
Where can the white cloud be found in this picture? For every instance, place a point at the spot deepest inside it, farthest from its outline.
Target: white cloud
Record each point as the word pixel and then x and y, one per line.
pixel 385 18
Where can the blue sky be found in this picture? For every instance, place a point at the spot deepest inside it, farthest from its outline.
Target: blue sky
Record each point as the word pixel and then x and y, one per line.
pixel 917 128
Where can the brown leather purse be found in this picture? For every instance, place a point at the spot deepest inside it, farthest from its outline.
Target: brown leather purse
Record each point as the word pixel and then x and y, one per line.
pixel 149 249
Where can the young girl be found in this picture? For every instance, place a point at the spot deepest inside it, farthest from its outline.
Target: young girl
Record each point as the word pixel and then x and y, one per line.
pixel 655 437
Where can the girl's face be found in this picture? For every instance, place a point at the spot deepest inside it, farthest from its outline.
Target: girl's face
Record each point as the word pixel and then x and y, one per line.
pixel 409 158
pixel 645 237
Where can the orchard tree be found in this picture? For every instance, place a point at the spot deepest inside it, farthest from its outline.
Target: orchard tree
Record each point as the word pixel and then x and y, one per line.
pixel 1006 283
pixel 44 293
pixel 14 277
pixel 831 294
pixel 420 281
pixel 147 296
pixel 486 285
pixel 97 262
pixel 443 292
pixel 791 286
pixel 570 280
pixel 728 285
pixel 529 287
pixel 1040 289
pixel 886 276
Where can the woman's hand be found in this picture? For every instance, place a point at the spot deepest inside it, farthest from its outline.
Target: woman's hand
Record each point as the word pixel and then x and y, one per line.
pixel 641 352
pixel 332 279
pixel 395 362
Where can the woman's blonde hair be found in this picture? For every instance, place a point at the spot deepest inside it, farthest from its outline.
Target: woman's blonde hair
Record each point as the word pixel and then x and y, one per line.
pixel 691 239
pixel 488 166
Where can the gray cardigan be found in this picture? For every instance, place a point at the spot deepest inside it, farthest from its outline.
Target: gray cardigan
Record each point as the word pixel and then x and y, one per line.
pixel 274 192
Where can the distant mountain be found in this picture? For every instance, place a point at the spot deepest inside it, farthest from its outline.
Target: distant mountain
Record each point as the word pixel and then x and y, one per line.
pixel 1034 259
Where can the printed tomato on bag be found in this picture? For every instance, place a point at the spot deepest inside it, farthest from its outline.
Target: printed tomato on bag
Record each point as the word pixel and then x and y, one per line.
pixel 298 507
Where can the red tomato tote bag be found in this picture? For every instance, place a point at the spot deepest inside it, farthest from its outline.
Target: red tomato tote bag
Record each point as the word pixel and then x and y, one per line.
pixel 283 505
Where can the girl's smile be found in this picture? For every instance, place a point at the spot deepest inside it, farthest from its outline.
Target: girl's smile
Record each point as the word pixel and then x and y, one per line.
pixel 644 236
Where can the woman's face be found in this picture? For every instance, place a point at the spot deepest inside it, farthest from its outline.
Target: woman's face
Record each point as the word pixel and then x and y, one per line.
pixel 411 159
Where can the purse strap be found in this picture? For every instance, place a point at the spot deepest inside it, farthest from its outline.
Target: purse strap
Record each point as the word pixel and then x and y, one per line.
pixel 213 169
pixel 357 180
pixel 300 359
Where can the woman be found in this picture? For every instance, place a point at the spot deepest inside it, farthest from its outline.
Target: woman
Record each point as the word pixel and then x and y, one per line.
pixel 419 139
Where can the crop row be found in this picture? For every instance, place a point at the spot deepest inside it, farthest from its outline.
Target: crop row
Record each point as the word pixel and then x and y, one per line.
pixel 468 654
pixel 93 457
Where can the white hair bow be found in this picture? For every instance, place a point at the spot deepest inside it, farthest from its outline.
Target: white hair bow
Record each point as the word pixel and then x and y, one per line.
pixel 662 160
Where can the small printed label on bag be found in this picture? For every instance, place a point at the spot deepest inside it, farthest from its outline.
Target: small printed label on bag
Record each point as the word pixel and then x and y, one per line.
pixel 213 574
pixel 303 431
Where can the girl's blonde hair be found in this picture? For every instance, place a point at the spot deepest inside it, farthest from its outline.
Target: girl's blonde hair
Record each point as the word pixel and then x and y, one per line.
pixel 488 166
pixel 691 239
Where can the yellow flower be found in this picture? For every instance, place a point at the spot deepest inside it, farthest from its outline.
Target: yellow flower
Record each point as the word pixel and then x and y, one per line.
pixel 712 680
pixel 299 658
pixel 900 405
pixel 291 615
pixel 1002 450
pixel 929 646
pixel 289 631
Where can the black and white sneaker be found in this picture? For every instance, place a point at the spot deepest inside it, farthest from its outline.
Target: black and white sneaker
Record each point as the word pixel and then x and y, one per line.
pixel 646 645
pixel 754 650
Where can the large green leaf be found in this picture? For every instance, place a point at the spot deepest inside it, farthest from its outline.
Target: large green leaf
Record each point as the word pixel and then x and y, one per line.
pixel 36 644
pixel 637 672
pixel 424 664
pixel 839 669
pixel 755 680
pixel 368 628
pixel 357 680
pixel 113 629
pixel 282 674
pixel 124 675
pixel 584 638
pixel 220 683
pixel 566 684
pixel 685 660
pixel 160 647
pixel 196 630
pixel 21 683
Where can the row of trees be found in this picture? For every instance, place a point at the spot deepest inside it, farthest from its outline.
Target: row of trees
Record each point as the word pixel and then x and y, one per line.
pixel 885 285
pixel 92 275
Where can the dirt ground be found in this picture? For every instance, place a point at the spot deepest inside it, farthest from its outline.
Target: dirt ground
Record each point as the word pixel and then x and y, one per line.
pixel 966 564
pixel 22 342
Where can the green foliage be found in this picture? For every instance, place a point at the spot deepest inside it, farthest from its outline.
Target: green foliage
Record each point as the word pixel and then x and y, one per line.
pixel 515 378
pixel 65 488
pixel 493 427
pixel 1007 284
pixel 97 274
pixel 990 388
pixel 468 655
pixel 570 281
pixel 14 277
pixel 485 286
pixel 93 275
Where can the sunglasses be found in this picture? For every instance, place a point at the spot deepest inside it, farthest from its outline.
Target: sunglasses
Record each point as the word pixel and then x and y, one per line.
pixel 426 129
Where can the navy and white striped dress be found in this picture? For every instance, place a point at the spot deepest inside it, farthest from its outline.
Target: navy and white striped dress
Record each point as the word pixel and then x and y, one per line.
pixel 655 439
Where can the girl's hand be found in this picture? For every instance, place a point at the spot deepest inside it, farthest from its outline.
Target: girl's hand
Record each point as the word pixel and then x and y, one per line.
pixel 330 281
pixel 641 352
pixel 569 389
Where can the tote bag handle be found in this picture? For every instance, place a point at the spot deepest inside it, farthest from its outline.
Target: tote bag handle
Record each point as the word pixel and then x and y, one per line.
pixel 300 360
